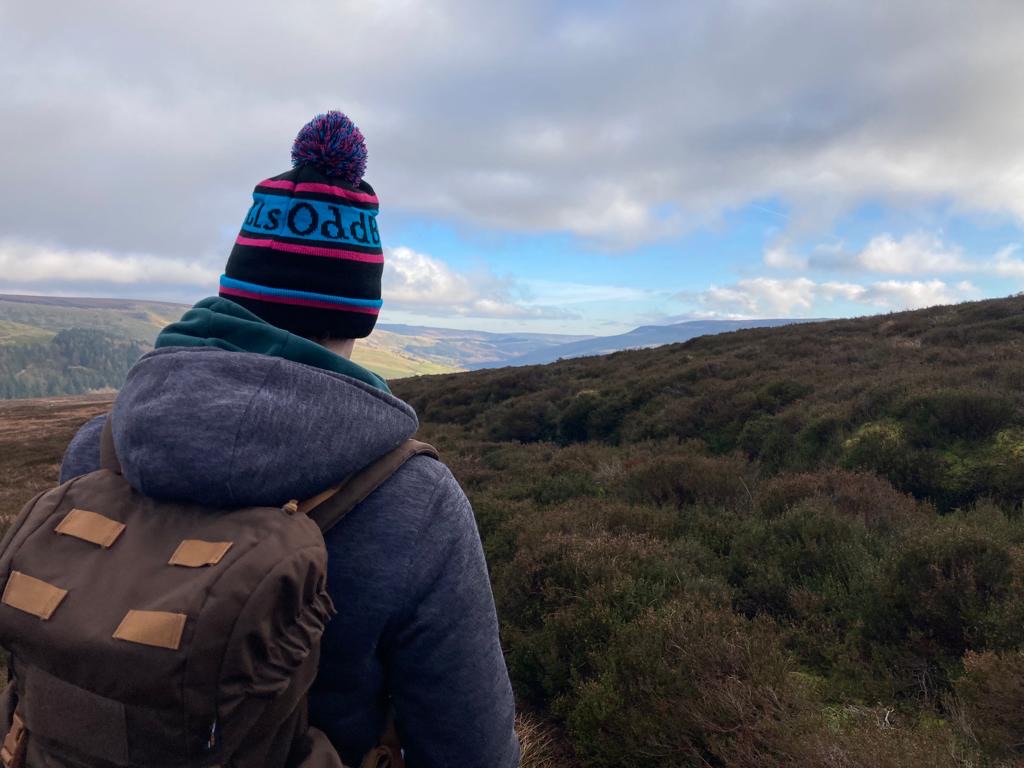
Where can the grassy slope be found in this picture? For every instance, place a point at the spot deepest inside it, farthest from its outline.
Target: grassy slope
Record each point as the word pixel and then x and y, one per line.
pixel 139 320
pixel 388 354
pixel 798 546
pixel 21 333
pixel 730 552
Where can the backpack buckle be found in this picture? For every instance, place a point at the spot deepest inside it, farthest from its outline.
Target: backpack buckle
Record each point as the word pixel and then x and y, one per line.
pixel 12 753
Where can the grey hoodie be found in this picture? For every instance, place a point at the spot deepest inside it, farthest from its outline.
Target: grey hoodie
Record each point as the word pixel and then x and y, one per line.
pixel 416 624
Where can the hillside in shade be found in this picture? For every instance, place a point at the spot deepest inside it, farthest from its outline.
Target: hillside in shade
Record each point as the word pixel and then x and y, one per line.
pixel 639 338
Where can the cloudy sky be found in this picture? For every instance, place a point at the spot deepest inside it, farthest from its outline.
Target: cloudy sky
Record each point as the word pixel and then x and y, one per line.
pixel 551 166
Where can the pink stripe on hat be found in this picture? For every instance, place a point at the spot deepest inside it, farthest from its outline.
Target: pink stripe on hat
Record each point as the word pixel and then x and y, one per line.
pixel 323 189
pixel 277 184
pixel 347 194
pixel 312 250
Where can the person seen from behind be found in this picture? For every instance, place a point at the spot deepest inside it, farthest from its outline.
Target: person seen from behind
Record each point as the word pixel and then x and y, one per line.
pixel 251 399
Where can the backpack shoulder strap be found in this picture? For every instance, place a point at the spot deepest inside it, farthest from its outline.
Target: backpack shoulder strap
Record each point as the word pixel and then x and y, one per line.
pixel 349 492
pixel 108 456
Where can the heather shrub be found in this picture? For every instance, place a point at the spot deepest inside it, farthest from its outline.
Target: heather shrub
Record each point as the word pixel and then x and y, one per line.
pixel 497 521
pixel 564 595
pixel 778 394
pixel 597 515
pixel 946 589
pixel 721 692
pixel 1006 466
pixel 818 442
pixel 860 496
pixel 592 416
pixel 809 548
pixel 556 488
pixel 525 420
pixel 882 737
pixel 991 694
pixel 768 439
pixel 855 486
pixel 684 478
pixel 880 447
pixel 956 414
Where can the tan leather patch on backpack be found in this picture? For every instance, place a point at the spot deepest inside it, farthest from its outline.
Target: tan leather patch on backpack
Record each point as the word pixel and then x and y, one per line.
pixel 160 629
pixel 32 595
pixel 195 553
pixel 90 526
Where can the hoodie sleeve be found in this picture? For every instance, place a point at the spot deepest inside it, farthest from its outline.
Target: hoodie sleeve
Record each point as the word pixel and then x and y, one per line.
pixel 447 676
pixel 83 452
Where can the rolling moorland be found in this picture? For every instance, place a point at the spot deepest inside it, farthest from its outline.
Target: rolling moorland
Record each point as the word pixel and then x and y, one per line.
pixel 799 546
pixel 51 346
pixel 54 346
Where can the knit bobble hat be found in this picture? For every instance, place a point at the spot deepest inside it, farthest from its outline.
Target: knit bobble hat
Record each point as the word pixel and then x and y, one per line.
pixel 308 258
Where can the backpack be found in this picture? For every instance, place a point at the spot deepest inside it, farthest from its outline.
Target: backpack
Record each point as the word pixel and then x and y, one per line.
pixel 144 632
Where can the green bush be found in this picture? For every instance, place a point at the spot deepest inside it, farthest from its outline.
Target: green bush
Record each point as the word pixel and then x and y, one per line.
pixel 692 685
pixel 946 590
pixel 991 693
pixel 809 548
pixel 525 420
pixel 881 447
pixel 860 496
pixel 564 595
pixel 775 396
pixel 957 414
pixel 686 479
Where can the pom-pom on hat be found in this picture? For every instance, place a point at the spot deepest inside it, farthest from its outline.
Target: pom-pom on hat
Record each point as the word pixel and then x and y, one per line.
pixel 308 258
pixel 333 145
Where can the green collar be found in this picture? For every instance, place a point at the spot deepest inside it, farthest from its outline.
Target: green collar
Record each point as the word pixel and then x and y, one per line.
pixel 219 322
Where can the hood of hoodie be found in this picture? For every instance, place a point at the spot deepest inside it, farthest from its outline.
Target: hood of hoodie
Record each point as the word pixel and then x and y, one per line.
pixel 221 323
pixel 234 428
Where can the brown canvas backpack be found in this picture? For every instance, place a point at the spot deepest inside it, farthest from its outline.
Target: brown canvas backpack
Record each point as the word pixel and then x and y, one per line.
pixel 152 633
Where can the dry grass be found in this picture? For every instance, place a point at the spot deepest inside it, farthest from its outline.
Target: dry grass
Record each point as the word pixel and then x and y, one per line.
pixel 541 746
pixel 33 436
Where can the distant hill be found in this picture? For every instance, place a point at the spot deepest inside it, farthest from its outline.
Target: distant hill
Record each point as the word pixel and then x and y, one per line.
pixel 32 364
pixel 639 338
pixel 476 349
pixel 62 346
pixel 117 331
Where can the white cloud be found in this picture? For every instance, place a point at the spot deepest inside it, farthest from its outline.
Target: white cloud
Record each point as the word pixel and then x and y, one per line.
pixel 616 122
pixel 802 297
pixel 917 253
pixel 762 296
pixel 417 282
pixel 911 255
pixel 914 294
pixel 28 263
pixel 1005 264
pixel 556 292
pixel 780 257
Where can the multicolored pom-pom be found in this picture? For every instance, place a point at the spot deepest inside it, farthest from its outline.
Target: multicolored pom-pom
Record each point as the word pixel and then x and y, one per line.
pixel 332 144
